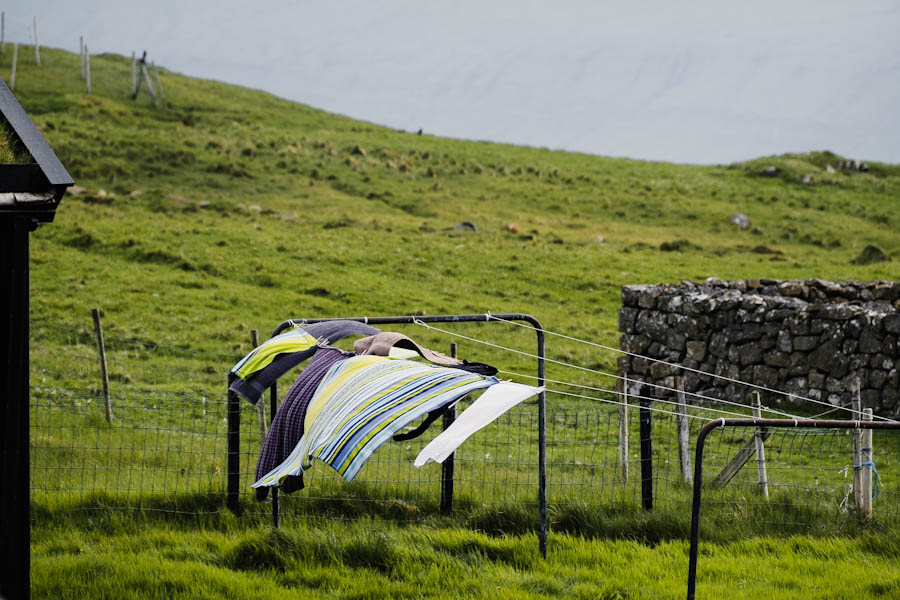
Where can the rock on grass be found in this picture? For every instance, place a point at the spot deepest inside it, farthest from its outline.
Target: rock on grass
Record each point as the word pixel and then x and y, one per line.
pixel 871 254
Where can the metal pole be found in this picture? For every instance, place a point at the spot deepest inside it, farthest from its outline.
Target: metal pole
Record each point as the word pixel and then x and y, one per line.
pixel 542 441
pixel 775 423
pixel 260 406
pixel 276 503
pixel 234 453
pixel 447 466
pixel 646 455
pixel 695 508
pixel 15 555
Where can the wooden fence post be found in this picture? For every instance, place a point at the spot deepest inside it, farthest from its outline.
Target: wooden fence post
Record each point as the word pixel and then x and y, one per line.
pixel 856 405
pixel 149 84
pixel 865 466
pixel 684 435
pixel 646 427
pixel 761 473
pixel 104 373
pixel 260 406
pixel 162 97
pixel 81 53
pixel 12 78
pixel 37 47
pixel 87 67
pixel 623 429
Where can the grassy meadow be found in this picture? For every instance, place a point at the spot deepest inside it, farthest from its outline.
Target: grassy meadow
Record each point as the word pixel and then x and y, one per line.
pixel 233 209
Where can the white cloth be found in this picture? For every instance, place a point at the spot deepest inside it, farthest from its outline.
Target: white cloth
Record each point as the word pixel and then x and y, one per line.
pixel 495 401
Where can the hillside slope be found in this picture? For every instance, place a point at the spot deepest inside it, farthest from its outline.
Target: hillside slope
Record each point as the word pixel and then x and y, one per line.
pixel 234 209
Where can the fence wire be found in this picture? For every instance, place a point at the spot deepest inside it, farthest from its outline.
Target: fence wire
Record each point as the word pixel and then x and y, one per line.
pixel 165 450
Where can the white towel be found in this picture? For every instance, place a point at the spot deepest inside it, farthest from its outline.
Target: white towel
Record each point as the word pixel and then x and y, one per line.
pixel 498 399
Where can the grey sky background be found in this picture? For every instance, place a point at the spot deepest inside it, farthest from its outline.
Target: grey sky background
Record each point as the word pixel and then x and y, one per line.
pixel 693 82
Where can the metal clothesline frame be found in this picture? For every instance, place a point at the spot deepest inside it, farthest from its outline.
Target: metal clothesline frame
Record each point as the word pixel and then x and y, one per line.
pixel 234 409
pixel 694 551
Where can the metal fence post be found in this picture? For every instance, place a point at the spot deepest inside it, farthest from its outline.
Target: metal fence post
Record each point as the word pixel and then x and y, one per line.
pixel 646 455
pixel 276 503
pixel 233 500
pixel 542 442
pixel 695 506
pixel 447 466
pixel 694 550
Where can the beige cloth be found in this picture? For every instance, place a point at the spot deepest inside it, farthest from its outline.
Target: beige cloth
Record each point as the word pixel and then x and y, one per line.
pixel 380 344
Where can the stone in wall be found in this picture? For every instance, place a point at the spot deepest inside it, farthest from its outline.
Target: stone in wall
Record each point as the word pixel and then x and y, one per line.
pixel 812 338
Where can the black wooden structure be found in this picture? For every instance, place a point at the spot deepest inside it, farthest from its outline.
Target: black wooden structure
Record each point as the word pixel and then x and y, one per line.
pixel 29 195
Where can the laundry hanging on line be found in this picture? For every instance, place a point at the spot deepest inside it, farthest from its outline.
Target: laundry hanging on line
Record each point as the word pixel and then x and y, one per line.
pixel 256 372
pixel 363 401
pixel 492 404
pixel 381 344
pixel 288 423
pixel 380 405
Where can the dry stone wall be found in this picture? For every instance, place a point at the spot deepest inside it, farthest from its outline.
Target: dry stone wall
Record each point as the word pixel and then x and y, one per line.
pixel 813 338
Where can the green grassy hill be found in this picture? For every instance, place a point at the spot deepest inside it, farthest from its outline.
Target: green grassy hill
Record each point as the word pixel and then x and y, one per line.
pixel 234 209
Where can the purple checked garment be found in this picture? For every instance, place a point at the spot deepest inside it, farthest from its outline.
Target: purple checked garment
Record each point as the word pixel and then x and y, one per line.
pixel 287 426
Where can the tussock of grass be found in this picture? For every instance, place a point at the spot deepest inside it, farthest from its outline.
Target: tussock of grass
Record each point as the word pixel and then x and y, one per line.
pixel 10 153
pixel 622 522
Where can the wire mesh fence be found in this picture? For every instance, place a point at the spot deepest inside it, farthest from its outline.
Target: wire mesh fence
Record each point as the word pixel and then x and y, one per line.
pixel 165 450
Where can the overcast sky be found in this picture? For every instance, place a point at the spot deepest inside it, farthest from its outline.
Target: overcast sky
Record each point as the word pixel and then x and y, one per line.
pixel 693 82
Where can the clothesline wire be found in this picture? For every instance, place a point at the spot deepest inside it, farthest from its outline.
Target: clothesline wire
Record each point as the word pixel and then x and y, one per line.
pixel 618 402
pixel 565 364
pixel 626 404
pixel 614 376
pixel 617 393
pixel 828 412
pixel 489 316
pixel 789 395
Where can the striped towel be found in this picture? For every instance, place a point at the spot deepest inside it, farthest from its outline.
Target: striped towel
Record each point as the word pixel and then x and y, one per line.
pixel 362 402
pixel 294 340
